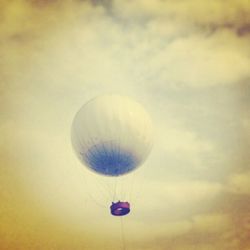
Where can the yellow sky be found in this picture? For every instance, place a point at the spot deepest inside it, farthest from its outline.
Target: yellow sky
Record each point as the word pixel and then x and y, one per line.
pixel 187 62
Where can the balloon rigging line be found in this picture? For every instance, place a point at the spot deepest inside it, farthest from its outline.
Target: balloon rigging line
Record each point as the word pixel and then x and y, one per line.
pixel 114 195
pixel 122 234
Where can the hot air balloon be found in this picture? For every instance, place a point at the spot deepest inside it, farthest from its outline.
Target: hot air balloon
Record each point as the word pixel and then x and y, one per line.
pixel 112 136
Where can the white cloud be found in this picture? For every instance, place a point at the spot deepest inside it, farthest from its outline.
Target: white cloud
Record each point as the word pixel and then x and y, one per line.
pixel 180 141
pixel 172 196
pixel 213 12
pixel 239 183
pixel 211 223
pixel 174 143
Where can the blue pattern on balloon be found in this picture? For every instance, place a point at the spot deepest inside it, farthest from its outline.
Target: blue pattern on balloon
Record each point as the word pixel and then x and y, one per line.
pixel 107 159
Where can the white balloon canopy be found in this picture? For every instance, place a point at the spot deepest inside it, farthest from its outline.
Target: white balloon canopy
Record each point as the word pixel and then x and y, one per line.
pixel 112 134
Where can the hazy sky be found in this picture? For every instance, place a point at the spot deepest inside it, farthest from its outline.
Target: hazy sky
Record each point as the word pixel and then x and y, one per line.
pixel 187 62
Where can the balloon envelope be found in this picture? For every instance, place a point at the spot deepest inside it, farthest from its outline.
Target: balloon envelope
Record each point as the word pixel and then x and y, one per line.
pixel 112 135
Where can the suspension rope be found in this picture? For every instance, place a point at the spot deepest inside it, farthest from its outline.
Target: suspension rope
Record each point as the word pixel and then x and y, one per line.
pixel 122 235
pixel 131 187
pixel 115 187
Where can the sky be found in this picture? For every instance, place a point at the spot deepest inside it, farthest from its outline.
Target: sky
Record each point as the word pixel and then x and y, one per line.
pixel 187 62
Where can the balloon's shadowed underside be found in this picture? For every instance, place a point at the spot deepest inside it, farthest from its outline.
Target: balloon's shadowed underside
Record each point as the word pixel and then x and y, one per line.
pixel 105 158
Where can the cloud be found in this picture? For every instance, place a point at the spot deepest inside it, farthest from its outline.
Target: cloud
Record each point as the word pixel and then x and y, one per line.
pixel 174 199
pixel 186 61
pixel 82 39
pixel 189 11
pixel 179 141
pixel 239 183
pixel 211 223
pixel 212 228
